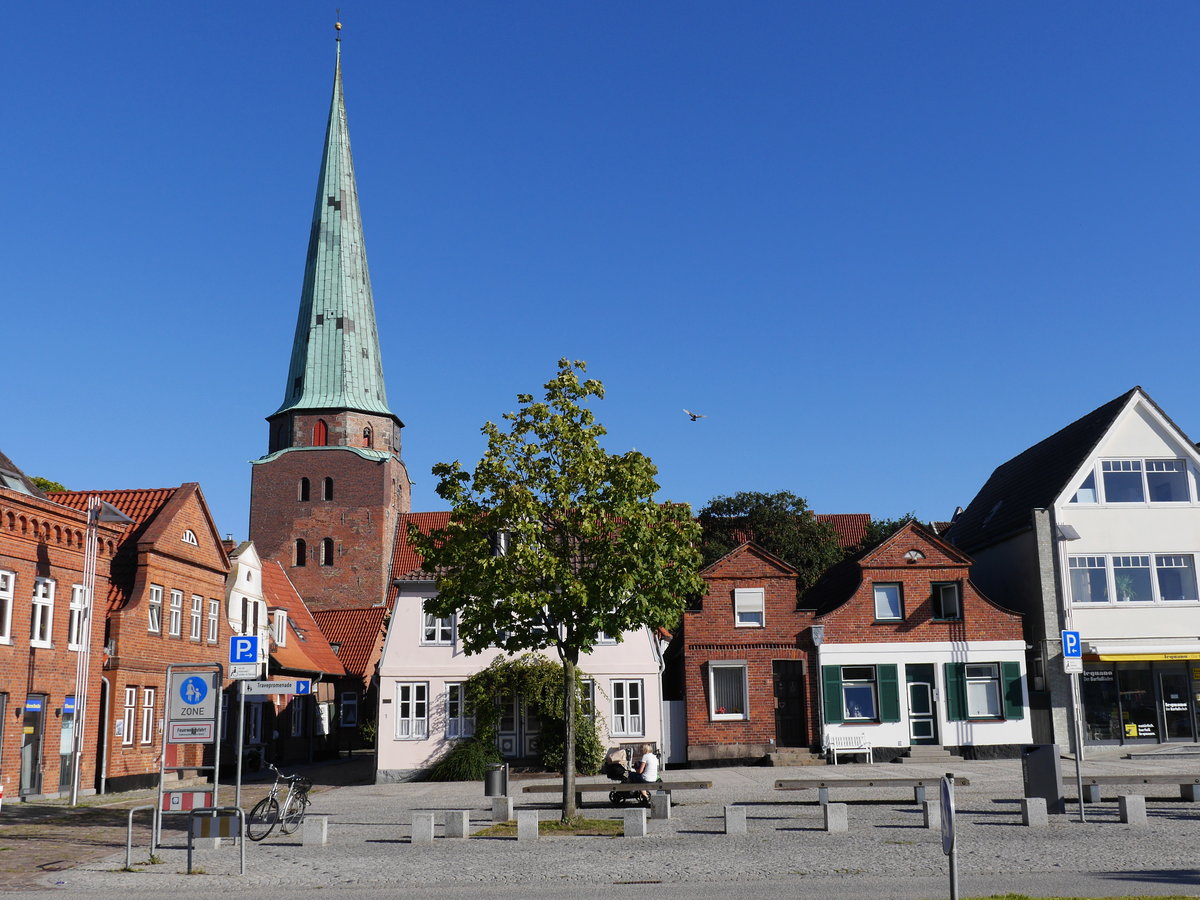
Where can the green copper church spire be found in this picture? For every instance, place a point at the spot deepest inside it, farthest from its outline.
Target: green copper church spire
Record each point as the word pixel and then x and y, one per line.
pixel 335 356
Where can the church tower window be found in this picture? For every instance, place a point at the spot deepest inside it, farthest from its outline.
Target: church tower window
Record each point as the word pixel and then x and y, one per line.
pixel 327 552
pixel 301 552
pixel 320 434
pixel 303 490
pixel 328 488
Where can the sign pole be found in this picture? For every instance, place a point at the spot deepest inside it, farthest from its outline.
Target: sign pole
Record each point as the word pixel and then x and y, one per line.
pixel 1073 665
pixel 237 791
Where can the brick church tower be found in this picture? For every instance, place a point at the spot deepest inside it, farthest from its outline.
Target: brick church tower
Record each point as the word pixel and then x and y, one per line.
pixel 326 498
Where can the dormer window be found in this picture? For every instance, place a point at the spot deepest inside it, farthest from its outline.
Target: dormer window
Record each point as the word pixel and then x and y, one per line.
pixel 189 537
pixel 280 627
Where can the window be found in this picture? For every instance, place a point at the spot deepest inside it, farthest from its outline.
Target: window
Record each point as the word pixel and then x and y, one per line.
pixel 727 690
pixel 320 433
pixel 946 603
pixel 127 716
pixel 437 630
pixel 587 697
pixel 8 582
pixel 889 604
pixel 304 490
pixel 76 619
pixel 41 616
pixel 154 610
pixel 984 691
pixel 748 606
pixel 604 638
pixel 1137 481
pixel 861 693
pixel 627 707
pixel 197 615
pixel 301 553
pixel 189 537
pixel 298 712
pixel 250 616
pixel 280 627
pixel 366 431
pixel 1133 578
pixel 327 552
pixel 412 710
pixel 460 723
pixel 214 618
pixel 175 623
pixel 147 715
pixel 349 709
pixel 328 489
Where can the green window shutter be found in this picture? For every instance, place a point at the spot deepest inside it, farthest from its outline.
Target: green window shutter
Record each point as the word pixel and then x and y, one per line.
pixel 1010 680
pixel 889 693
pixel 832 677
pixel 956 692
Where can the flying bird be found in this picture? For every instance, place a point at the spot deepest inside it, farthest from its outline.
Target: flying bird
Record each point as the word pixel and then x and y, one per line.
pixel 695 416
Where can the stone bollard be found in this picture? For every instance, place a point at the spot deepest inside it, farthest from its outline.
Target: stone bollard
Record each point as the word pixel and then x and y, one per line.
pixel 502 809
pixel 1189 792
pixel 1133 809
pixel 458 823
pixel 527 825
pixel 660 805
pixel 422 828
pixel 735 820
pixel 1091 793
pixel 932 810
pixel 835 817
pixel 1033 811
pixel 635 822
pixel 316 830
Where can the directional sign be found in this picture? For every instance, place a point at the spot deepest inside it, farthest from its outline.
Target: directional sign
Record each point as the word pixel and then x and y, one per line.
pixel 251 688
pixel 243 648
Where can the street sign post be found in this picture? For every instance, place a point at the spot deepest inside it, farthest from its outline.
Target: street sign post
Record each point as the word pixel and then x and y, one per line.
pixel 302 687
pixel 192 704
pixel 243 648
pixel 1072 652
pixel 1072 648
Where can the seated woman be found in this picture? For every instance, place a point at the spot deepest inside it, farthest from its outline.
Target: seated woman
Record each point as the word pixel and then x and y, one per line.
pixel 646 771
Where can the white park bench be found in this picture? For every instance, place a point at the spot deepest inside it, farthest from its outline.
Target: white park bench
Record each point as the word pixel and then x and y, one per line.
pixel 842 742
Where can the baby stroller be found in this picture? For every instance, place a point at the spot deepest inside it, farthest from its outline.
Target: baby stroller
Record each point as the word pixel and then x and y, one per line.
pixel 615 770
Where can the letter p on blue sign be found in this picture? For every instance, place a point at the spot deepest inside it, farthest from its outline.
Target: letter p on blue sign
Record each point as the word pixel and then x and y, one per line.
pixel 1072 649
pixel 243 648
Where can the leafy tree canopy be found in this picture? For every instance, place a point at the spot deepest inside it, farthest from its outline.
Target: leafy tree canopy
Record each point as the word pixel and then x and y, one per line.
pixel 553 541
pixel 879 530
pixel 780 523
pixel 46 484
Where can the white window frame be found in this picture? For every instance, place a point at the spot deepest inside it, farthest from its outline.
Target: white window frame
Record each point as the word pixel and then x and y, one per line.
pixel 279 627
pixel 721 713
pixel 154 610
pixel 297 711
pixel 75 617
pixel 175 617
pixel 984 699
pixel 628 717
pixel 189 537
pixel 214 620
pixel 348 712
pixel 148 698
pixel 41 613
pixel 872 682
pixel 458 723
pixel 437 631
pixel 412 710
pixel 8 591
pixel 197 617
pixel 1093 489
pixel 129 715
pixel 1110 562
pixel 884 586
pixel 941 590
pixel 750 607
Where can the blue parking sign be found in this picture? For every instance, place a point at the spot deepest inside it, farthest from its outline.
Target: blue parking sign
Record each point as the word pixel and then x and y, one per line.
pixel 243 648
pixel 1072 647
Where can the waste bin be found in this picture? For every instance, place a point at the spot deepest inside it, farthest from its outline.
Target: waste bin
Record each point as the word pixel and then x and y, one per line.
pixel 1042 775
pixel 495 781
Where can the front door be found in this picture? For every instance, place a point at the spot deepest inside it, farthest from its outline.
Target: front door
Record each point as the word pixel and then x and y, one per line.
pixel 787 676
pixel 519 735
pixel 31 744
pixel 922 709
pixel 1177 713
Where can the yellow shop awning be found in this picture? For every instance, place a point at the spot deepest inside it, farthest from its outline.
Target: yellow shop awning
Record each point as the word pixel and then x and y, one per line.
pixel 1145 657
pixel 1142 651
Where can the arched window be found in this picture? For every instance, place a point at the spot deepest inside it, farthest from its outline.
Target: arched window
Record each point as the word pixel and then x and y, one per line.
pixel 303 490
pixel 320 434
pixel 328 488
pixel 367 436
pixel 327 552
pixel 301 553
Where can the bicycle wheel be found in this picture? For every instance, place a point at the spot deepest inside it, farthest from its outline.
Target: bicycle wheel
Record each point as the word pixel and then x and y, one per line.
pixel 293 813
pixel 262 818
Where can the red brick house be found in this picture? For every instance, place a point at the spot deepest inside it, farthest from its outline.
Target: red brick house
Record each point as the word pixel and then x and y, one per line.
pixel 164 606
pixel 42 628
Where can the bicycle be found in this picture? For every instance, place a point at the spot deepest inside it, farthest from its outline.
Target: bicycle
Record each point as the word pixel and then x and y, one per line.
pixel 267 812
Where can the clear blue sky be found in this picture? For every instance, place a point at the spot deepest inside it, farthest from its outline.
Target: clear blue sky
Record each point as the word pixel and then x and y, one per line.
pixel 882 246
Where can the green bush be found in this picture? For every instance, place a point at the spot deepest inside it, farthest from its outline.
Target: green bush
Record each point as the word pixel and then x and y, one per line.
pixel 467 760
pixel 589 752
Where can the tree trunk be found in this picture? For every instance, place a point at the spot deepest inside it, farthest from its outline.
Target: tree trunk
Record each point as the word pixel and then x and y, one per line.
pixel 569 697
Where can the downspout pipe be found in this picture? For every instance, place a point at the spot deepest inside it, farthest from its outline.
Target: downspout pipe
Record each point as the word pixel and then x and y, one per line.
pixel 105 696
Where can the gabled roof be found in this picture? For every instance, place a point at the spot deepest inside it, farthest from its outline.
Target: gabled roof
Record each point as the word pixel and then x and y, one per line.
pixel 750 547
pixel 359 632
pixel 406 562
pixel 851 528
pixel 306 649
pixel 1034 478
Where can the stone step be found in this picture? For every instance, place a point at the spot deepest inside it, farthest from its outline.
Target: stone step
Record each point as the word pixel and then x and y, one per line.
pixel 927 754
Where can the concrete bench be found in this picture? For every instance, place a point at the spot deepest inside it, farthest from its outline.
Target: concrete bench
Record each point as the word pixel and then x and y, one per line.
pixel 823 785
pixel 626 790
pixel 1189 786
pixel 837 744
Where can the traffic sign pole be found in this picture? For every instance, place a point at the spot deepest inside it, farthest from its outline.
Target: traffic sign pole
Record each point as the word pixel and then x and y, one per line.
pixel 1072 648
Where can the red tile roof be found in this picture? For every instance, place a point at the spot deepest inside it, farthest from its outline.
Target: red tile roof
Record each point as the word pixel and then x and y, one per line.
pixel 405 559
pixel 360 634
pixel 851 528
pixel 306 649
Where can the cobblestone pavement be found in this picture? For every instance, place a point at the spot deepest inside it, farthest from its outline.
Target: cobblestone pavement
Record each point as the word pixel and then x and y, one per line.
pixel 886 852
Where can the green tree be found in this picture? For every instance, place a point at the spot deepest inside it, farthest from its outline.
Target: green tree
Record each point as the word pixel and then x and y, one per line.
pixel 780 523
pixel 879 530
pixel 553 541
pixel 46 484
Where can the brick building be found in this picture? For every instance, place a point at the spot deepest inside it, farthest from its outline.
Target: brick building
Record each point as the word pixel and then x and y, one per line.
pixel 43 628
pixel 163 607
pixel 327 496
